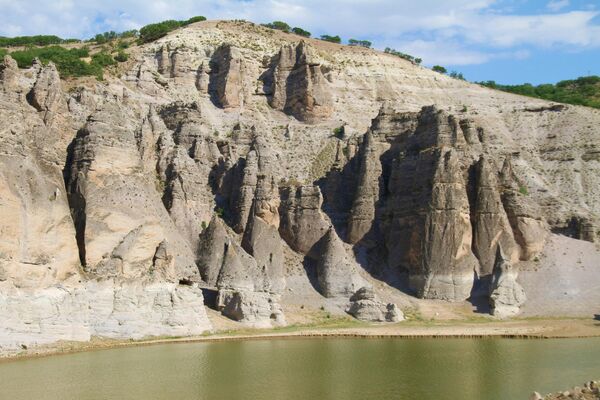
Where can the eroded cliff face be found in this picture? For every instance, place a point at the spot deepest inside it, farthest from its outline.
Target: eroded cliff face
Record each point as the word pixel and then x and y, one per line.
pixel 228 157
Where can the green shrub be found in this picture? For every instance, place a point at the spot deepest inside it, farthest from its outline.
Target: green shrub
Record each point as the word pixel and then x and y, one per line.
pixel 301 32
pixel 121 56
pixel 523 190
pixel 333 39
pixel 192 20
pixel 38 40
pixel 402 55
pixel 151 32
pixel 456 75
pixel 339 132
pixel 105 37
pixel 361 43
pixel 68 61
pixel 103 59
pixel 3 52
pixel 278 25
pixel 439 68
pixel 129 34
pixel 583 91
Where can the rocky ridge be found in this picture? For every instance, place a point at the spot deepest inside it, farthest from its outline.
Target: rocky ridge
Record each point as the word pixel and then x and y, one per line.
pixel 224 151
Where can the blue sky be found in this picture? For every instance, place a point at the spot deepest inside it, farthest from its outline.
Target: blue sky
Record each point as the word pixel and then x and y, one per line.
pixel 509 41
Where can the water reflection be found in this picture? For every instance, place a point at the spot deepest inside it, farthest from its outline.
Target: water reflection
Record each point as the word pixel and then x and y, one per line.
pixel 328 369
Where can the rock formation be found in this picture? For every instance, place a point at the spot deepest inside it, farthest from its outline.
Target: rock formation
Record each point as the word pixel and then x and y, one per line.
pixel 302 224
pixel 365 306
pixel 362 213
pixel 226 77
pixel 506 295
pixel 227 157
pixel 336 274
pixel 490 222
pixel 297 85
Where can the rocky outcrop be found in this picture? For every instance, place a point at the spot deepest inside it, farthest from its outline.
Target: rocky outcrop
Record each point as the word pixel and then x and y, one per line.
pixel 106 309
pixel 302 224
pixel 297 86
pixel 226 77
pixel 253 178
pixel 9 74
pixel 46 95
pixel 589 391
pixel 529 227
pixel 491 227
pixel 211 251
pixel 506 295
pixel 362 214
pixel 256 308
pixel 336 274
pixel 248 284
pixel 263 242
pixel 119 217
pixel 365 306
pixel 428 228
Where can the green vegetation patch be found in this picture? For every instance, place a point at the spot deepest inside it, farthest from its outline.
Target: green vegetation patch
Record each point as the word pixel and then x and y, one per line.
pixel 38 40
pixel 278 25
pixel 152 32
pixel 333 39
pixel 69 62
pixel 301 32
pixel 360 43
pixel 583 91
pixel 408 57
pixel 106 37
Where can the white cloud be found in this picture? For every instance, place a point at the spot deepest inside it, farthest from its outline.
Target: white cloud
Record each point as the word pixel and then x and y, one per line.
pixel 557 5
pixel 454 32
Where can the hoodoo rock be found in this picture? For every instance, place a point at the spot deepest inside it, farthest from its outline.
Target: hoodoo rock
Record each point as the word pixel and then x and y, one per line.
pixel 490 222
pixel 46 95
pixel 226 77
pixel 506 295
pixel 302 224
pixel 362 213
pixel 297 85
pixel 337 276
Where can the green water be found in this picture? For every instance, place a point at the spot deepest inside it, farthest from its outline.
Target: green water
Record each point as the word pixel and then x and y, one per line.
pixel 412 369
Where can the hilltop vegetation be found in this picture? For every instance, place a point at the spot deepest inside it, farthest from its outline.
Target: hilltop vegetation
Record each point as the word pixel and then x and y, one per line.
pixel 38 40
pixel 152 32
pixel 583 91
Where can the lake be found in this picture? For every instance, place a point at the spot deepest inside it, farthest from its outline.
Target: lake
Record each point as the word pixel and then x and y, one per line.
pixel 325 368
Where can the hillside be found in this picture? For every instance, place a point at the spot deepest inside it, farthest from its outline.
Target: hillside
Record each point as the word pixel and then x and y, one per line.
pixel 228 174
pixel 584 91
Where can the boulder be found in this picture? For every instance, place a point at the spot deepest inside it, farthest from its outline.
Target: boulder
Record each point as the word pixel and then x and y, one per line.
pixel 259 309
pixel 365 306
